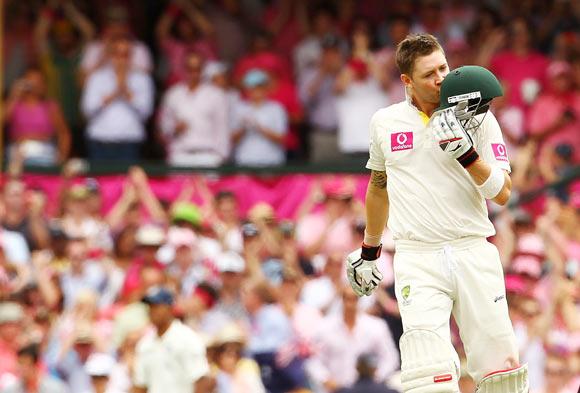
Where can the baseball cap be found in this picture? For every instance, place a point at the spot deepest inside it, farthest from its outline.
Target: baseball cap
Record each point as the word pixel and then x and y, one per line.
pixel 557 68
pixel 261 211
pixel 329 41
pixel 78 192
pixel 231 262
pixel 338 189
pixel 158 295
pixel 255 77
pixel 187 212
pixel 84 335
pixel 11 312
pixel 150 235
pixel 99 365
pixel 231 333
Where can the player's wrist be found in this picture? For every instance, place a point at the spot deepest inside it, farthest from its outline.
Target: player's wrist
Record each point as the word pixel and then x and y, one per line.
pixel 468 158
pixel 370 253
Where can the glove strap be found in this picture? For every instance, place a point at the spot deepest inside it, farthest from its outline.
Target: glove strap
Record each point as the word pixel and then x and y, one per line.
pixel 468 158
pixel 370 253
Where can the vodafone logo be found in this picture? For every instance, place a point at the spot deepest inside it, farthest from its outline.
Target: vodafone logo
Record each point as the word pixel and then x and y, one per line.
pixel 499 151
pixel 401 141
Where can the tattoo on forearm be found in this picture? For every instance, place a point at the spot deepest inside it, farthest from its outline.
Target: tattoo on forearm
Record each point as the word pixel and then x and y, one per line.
pixel 379 179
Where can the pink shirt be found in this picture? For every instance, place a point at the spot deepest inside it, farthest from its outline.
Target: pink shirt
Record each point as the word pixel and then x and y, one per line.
pixel 338 238
pixel 32 121
pixel 337 349
pixel 547 110
pixel 8 359
pixel 514 70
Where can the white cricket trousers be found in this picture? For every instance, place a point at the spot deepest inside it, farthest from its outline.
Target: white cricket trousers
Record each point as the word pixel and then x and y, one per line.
pixel 465 278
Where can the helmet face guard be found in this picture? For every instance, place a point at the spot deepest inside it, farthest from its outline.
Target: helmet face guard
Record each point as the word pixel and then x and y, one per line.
pixel 469 90
pixel 468 110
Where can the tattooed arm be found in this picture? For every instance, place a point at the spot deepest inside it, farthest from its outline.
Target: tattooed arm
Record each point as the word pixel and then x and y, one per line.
pixel 376 206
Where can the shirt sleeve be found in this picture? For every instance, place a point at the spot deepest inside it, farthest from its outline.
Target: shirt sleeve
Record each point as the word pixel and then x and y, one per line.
pixel 196 365
pixel 15 247
pixel 376 160
pixel 279 120
pixel 490 145
pixel 142 95
pixel 139 371
pixel 93 96
pixel 386 351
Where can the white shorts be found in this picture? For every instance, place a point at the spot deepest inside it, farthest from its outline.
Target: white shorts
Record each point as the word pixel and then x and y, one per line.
pixel 464 278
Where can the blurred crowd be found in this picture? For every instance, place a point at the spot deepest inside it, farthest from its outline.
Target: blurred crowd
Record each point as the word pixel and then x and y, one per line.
pixel 205 83
pixel 260 300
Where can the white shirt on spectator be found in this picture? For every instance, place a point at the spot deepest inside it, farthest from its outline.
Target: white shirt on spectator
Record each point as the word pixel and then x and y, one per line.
pixel 338 349
pixel 15 247
pixel 172 362
pixel 120 121
pixel 205 111
pixel 255 149
pixel 140 56
pixel 321 106
pixel 355 107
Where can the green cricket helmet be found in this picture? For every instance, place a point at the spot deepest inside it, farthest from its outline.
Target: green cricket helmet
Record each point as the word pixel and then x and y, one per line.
pixel 470 89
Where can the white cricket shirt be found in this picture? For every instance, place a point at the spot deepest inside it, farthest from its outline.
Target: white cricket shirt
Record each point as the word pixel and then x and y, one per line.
pixel 432 198
pixel 171 363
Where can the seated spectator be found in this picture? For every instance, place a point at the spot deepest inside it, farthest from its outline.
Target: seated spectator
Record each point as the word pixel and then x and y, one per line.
pixel 117 100
pixel 37 128
pixel 194 120
pixel 99 53
pixel 343 337
pixel 194 31
pixel 262 125
pixel 30 375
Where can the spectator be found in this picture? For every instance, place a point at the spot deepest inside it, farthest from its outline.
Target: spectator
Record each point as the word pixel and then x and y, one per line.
pixel 194 120
pixel 37 128
pixel 361 92
pixel 217 74
pixel 18 43
pixel 117 100
pixel 237 374
pixel 26 220
pixel 99 367
pixel 11 325
pixel 328 230
pixel 316 86
pixel 187 352
pixel 342 338
pixel 60 42
pixel 100 53
pixel 559 119
pixel 308 52
pixel 231 22
pixel 521 67
pixel 194 33
pixel 185 269
pixel 262 125
pixel 366 366
pixel 321 293
pixel 270 334
pixel 149 239
pixel 71 363
pixel 30 376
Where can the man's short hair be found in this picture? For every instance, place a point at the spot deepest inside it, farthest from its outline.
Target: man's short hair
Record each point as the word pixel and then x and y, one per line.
pixel 412 47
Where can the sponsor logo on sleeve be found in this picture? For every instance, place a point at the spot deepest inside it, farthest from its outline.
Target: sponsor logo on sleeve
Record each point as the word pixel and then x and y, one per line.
pixel 401 141
pixel 499 151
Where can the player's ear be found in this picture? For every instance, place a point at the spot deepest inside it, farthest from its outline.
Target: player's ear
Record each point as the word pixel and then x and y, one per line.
pixel 406 79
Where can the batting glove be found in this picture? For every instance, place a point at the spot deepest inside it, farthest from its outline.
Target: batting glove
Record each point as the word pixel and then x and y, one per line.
pixel 452 138
pixel 361 269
